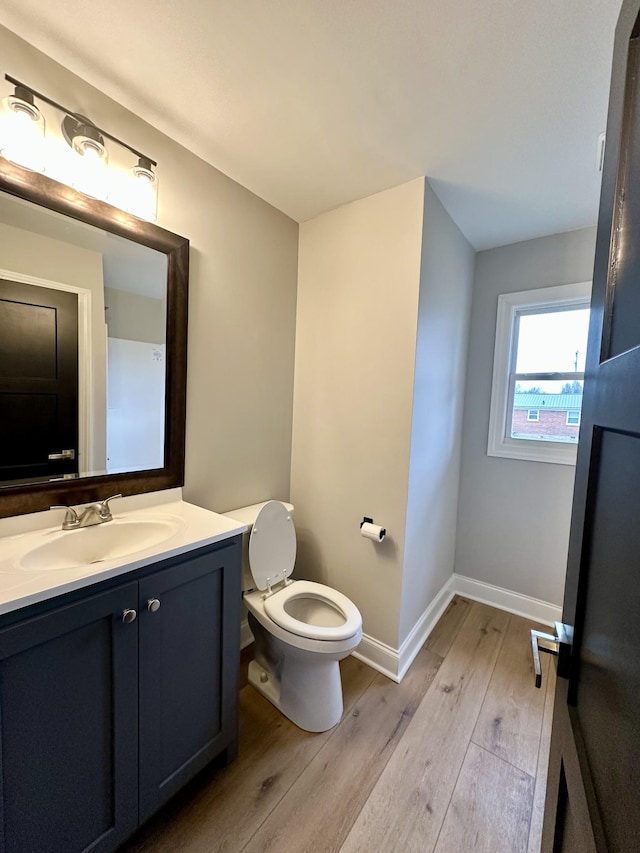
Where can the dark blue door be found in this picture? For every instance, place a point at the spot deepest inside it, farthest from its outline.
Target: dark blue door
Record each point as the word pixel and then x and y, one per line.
pixel 593 793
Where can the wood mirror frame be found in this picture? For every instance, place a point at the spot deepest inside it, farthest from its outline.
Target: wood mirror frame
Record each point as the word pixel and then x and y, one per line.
pixel 45 192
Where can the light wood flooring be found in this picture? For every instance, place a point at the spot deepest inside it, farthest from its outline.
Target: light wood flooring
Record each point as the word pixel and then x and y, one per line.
pixel 451 760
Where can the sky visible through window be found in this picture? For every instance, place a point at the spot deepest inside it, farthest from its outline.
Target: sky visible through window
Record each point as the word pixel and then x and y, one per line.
pixel 549 342
pixel 552 342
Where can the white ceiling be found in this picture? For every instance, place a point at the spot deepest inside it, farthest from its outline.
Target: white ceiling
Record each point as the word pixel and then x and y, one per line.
pixel 314 103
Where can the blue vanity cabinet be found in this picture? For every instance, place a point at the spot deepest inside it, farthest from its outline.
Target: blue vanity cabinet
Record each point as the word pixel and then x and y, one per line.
pixel 189 650
pixel 103 719
pixel 68 727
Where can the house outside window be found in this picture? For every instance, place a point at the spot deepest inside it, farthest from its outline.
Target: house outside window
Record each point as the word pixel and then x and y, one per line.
pixel 538 374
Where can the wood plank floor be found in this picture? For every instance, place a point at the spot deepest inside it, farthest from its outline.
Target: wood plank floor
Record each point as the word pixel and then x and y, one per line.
pixel 451 760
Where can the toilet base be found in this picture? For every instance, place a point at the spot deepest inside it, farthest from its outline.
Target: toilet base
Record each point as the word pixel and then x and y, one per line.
pixel 311 697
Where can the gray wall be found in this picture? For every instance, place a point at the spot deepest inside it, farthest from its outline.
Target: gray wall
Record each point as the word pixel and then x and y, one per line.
pixel 513 520
pixel 446 282
pixel 134 317
pixel 242 299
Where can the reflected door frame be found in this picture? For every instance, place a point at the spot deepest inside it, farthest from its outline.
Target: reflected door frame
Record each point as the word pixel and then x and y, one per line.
pixel 86 420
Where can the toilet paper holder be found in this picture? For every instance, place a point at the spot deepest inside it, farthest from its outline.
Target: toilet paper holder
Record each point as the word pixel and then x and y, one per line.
pixel 381 531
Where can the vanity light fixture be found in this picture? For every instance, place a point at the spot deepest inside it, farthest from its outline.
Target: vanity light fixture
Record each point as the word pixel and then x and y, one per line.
pixel 22 132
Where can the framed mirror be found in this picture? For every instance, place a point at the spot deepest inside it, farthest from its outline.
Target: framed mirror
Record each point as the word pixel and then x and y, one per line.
pixel 93 348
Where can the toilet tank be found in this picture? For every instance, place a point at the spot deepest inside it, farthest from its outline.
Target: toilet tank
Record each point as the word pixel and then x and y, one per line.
pixel 247 515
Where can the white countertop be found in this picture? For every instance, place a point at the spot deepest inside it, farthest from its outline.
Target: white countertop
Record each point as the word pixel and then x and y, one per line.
pixel 195 527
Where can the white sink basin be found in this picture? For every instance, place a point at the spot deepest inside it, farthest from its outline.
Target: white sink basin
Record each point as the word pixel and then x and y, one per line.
pixel 74 549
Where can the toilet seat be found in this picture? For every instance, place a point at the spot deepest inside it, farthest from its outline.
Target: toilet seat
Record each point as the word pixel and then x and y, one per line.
pixel 275 608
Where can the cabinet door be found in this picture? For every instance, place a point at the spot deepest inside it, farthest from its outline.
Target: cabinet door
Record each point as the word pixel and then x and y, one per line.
pixel 187 699
pixel 68 728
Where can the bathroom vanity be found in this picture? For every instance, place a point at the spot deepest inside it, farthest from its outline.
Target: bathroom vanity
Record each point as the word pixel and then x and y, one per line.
pixel 118 680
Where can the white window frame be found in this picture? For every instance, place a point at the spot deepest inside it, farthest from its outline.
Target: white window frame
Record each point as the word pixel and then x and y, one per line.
pixel 571 423
pixel 530 417
pixel 510 306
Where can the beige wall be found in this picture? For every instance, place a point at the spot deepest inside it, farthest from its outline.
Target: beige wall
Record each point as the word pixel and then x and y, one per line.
pixel 358 287
pixel 63 263
pixel 242 300
pixel 514 516
pixel 446 283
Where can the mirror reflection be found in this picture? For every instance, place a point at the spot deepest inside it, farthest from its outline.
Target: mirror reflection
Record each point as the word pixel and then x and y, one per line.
pixel 83 318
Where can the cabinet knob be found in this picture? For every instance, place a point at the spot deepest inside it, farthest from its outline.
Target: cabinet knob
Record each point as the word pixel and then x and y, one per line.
pixel 129 616
pixel 153 605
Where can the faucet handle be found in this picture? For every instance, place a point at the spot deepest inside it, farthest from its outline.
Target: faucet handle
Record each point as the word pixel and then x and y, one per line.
pixel 71 519
pixel 105 509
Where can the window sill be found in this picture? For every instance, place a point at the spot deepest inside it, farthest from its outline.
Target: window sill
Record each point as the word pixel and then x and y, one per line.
pixel 558 453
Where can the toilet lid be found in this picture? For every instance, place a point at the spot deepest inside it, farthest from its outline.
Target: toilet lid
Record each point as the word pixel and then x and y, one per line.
pixel 272 545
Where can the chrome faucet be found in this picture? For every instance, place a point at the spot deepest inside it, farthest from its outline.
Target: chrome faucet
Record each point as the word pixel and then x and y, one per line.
pixel 95 513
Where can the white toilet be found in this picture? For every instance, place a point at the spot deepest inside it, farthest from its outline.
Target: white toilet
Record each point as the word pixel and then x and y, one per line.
pixel 301 629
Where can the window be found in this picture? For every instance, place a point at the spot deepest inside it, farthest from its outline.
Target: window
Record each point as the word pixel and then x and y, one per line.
pixel 538 373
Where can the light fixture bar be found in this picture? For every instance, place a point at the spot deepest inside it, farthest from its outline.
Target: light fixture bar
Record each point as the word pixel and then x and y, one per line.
pixel 69 112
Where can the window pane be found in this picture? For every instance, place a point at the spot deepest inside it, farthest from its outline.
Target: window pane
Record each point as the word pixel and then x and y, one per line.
pixel 557 406
pixel 553 341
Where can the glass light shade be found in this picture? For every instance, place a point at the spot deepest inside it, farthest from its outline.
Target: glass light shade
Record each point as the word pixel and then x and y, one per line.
pixel 22 133
pixel 90 144
pixel 90 174
pixel 143 192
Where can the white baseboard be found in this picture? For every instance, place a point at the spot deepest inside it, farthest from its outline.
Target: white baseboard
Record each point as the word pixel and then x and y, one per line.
pixel 394 663
pixel 423 627
pixel 506 599
pixel 378 656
